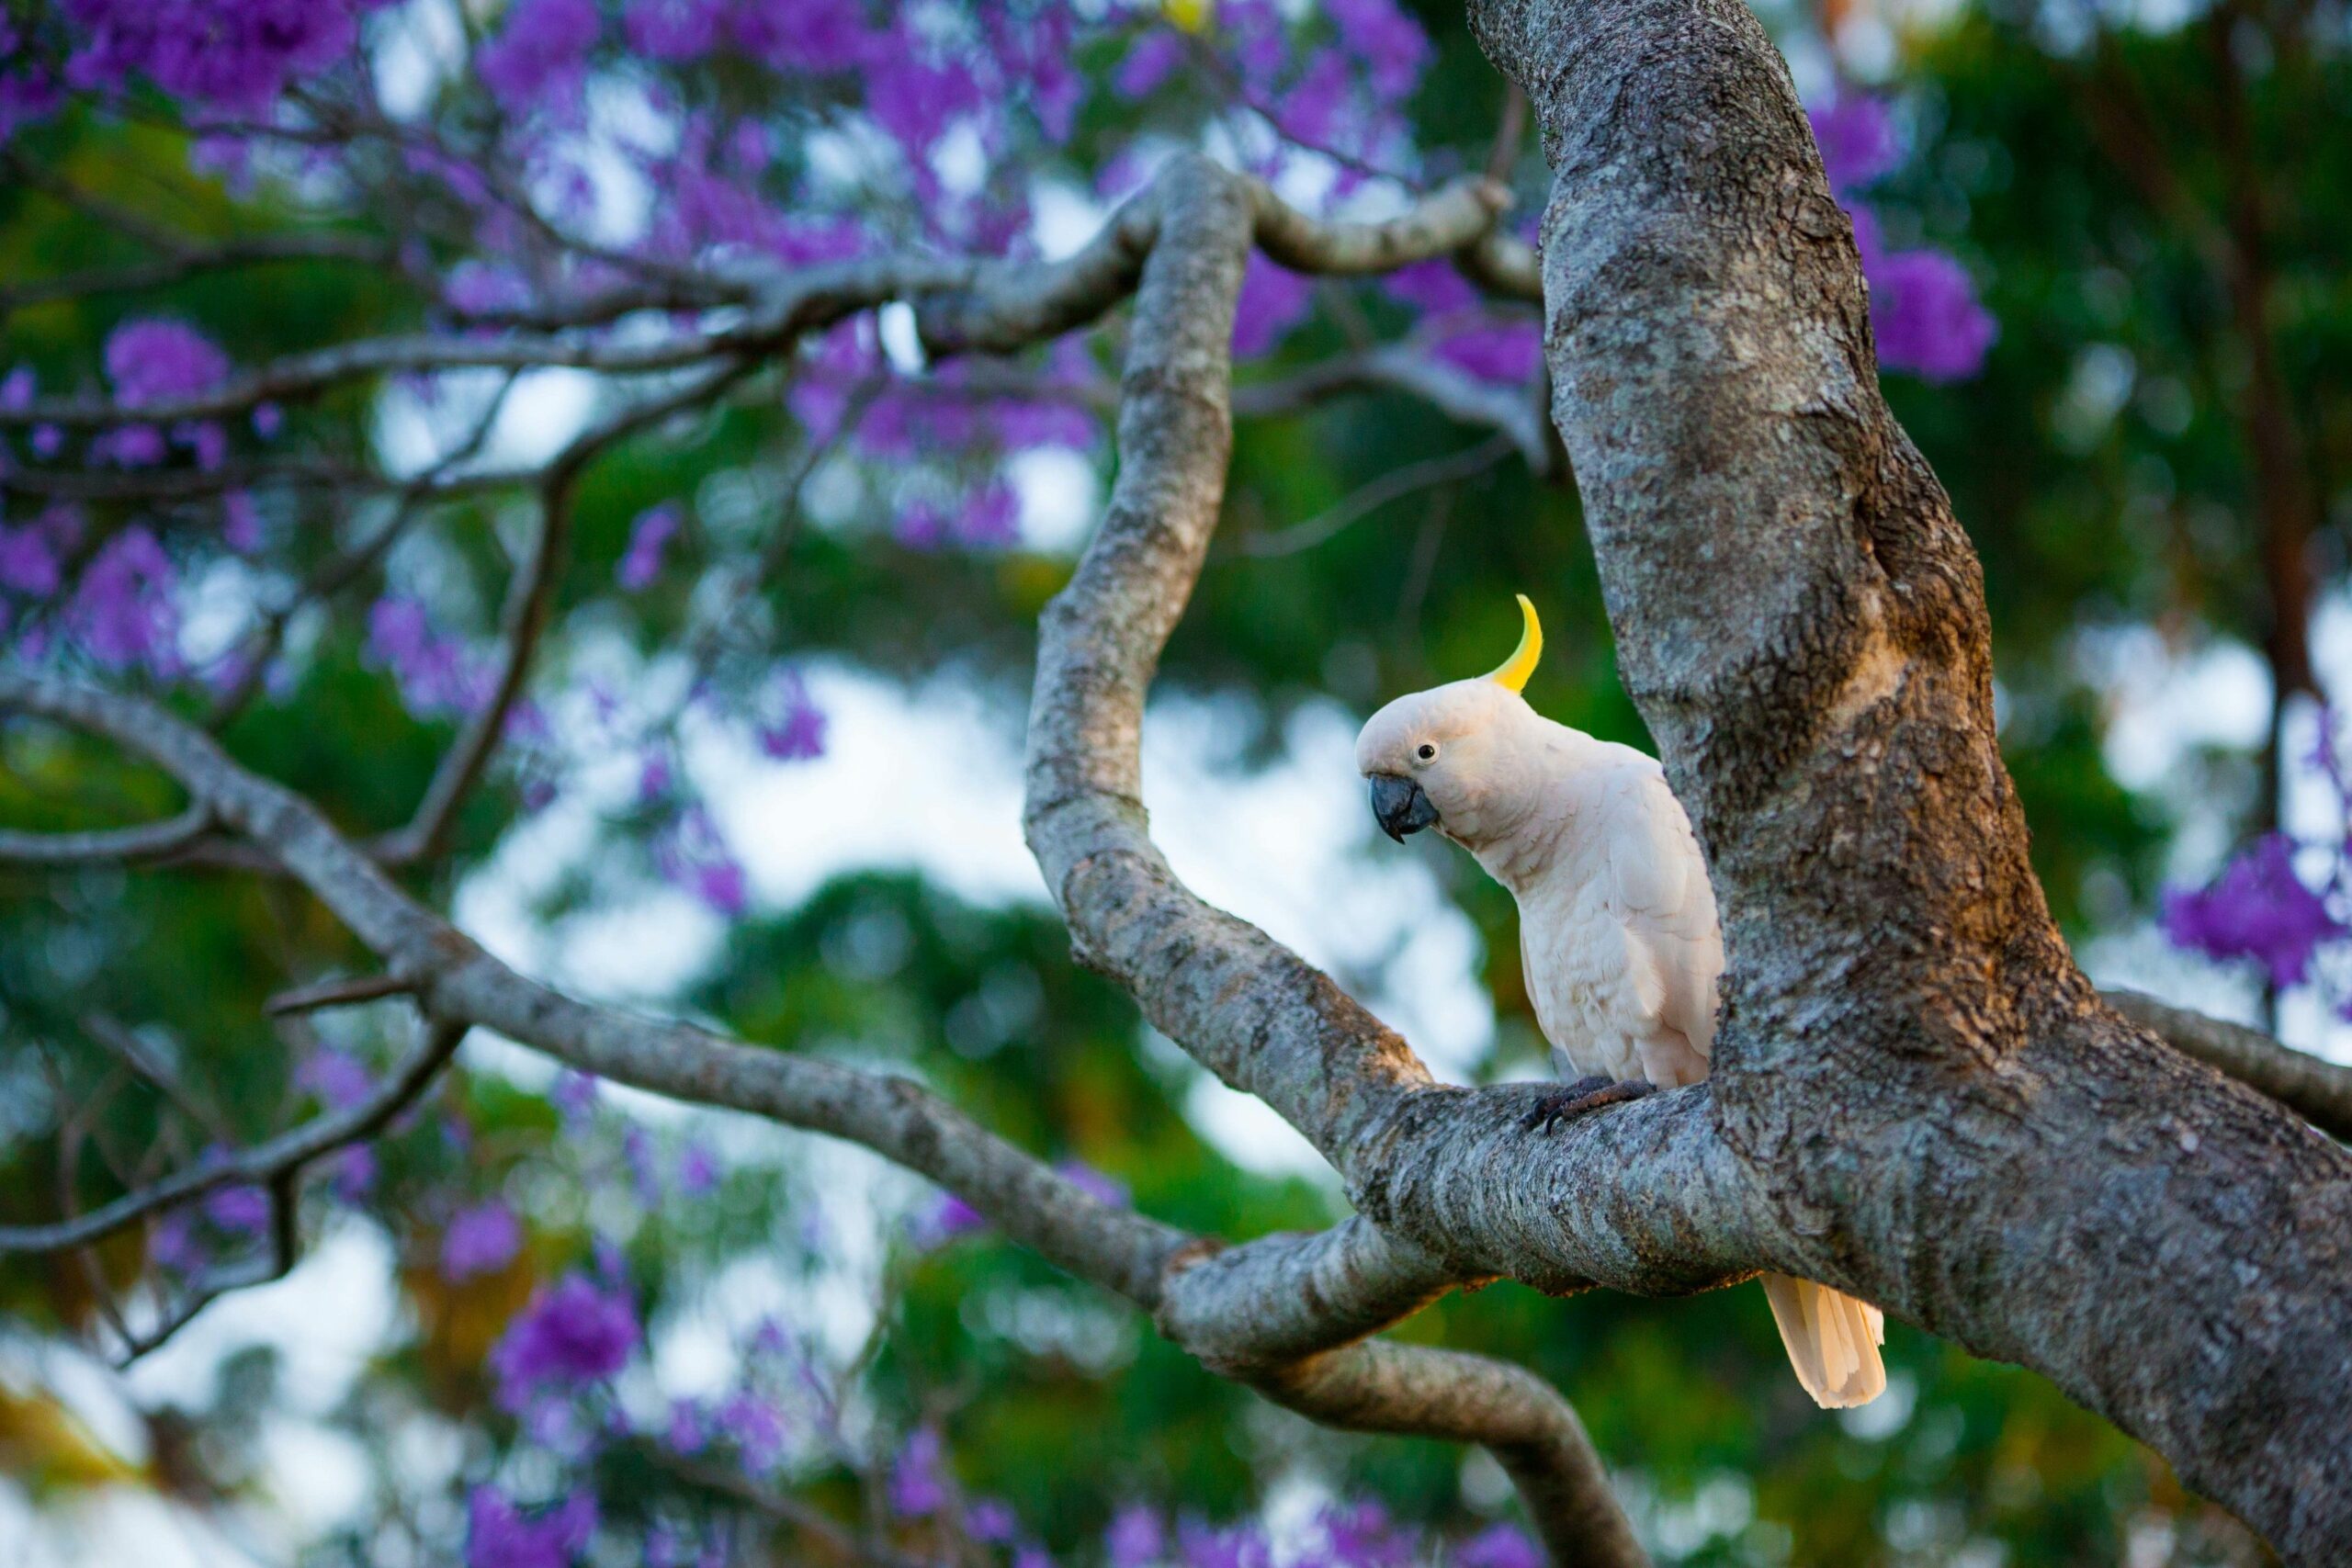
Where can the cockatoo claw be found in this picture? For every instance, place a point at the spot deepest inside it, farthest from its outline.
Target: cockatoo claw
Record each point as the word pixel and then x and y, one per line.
pixel 1575 1098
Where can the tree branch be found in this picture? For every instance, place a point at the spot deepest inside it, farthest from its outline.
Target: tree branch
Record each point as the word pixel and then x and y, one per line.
pixel 150 840
pixel 2319 1091
pixel 280 1159
pixel 1244 1306
pixel 1944 1119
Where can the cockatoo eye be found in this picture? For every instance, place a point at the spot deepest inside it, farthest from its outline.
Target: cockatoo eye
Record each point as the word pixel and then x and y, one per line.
pixel 1427 753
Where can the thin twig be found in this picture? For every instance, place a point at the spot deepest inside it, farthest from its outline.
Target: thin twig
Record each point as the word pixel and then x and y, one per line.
pixel 529 599
pixel 341 993
pixel 281 1157
pixel 1394 485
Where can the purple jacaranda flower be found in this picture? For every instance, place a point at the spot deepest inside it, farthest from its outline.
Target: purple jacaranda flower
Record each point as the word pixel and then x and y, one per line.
pixel 155 360
pixel 47 441
pixel 943 1219
pixel 692 855
pixel 28 564
pixel 1272 300
pixel 173 1245
pixel 640 563
pixel 355 1173
pixel 129 446
pixel 687 1430
pixel 1202 1545
pixel 1435 286
pixel 234 55
pixel 673 31
pixel 990 517
pixel 1093 1183
pixel 644 1175
pixel 1317 109
pixel 205 438
pixel 28 94
pixel 576 1332
pixel 540 55
pixel 1498 1546
pixel 697 1170
pixel 1136 1537
pixel 791 727
pixel 918 1476
pixel 478 288
pixel 241 1210
pixel 1925 314
pixel 574 1094
pixel 268 420
pixel 917 100
pixel 124 612
pixel 991 1519
pixel 1505 353
pixel 755 1428
pixel 337 1077
pixel 2256 908
pixel 1361 1535
pixel 1390 44
pixel 1029 1555
pixel 1857 136
pixel 499 1535
pixel 18 388
pixel 656 775
pixel 482 1239
pixel 1151 61
pixel 437 674
pixel 240 522
pixel 804 35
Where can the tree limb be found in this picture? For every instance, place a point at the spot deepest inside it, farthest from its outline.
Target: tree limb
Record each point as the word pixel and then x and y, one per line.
pixel 2319 1091
pixel 1944 1118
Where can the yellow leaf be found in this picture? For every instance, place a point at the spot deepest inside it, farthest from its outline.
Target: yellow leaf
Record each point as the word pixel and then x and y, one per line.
pixel 1193 15
pixel 45 1444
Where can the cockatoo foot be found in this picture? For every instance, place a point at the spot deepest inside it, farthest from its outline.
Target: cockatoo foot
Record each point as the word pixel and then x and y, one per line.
pixel 1575 1098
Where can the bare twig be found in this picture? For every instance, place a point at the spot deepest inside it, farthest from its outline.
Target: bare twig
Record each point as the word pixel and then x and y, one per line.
pixel 344 992
pixel 279 1160
pixel 529 602
pixel 1408 479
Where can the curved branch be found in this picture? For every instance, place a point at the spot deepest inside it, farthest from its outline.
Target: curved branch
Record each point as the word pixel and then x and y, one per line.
pixel 148 841
pixel 2319 1091
pixel 1394 485
pixel 1246 1310
pixel 279 1160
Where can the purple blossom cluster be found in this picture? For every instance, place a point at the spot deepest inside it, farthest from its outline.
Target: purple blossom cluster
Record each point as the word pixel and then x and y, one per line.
pixel 480 1239
pixel 2258 909
pixel 580 1331
pixel 499 1534
pixel 230 57
pixel 1924 310
pixel 438 674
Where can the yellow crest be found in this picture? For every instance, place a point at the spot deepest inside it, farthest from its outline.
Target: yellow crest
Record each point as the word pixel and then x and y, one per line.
pixel 1522 662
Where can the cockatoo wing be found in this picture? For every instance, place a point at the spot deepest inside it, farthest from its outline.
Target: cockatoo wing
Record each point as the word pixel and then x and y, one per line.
pixel 1657 887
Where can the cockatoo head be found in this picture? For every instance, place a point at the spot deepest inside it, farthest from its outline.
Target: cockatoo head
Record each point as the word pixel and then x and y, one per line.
pixel 1447 757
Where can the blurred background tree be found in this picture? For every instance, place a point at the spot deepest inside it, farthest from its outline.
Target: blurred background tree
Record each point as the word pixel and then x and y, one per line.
pixel 761 765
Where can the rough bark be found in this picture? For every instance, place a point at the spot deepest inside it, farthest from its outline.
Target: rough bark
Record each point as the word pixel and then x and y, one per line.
pixel 1944 1115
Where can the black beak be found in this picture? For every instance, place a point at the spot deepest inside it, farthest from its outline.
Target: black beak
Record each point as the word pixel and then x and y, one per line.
pixel 1399 805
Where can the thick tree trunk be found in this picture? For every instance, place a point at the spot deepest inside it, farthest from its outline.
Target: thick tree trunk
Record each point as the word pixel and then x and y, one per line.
pixel 1910 1062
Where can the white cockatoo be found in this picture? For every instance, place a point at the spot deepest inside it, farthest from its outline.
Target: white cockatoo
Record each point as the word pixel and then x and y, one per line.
pixel 1617 928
